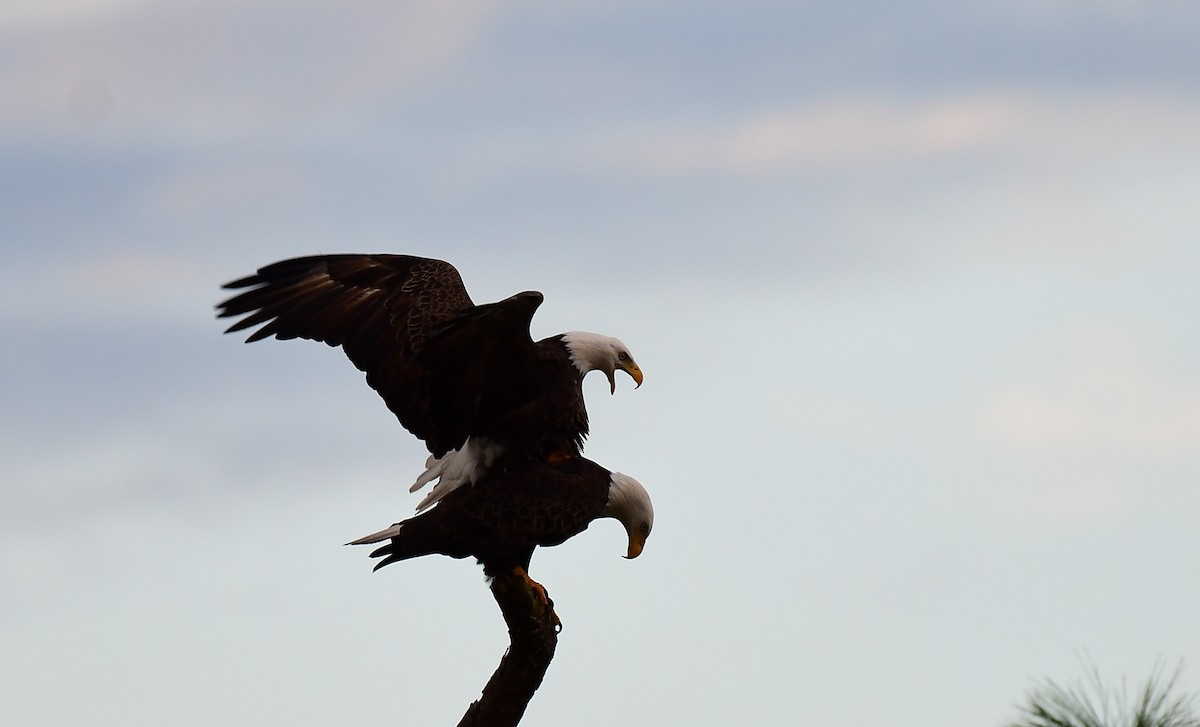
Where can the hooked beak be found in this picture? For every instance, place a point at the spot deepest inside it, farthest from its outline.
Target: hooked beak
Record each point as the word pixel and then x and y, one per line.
pixel 628 367
pixel 636 543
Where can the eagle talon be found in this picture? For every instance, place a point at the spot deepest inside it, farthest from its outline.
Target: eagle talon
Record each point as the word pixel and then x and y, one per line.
pixel 538 589
pixel 542 597
pixel 554 619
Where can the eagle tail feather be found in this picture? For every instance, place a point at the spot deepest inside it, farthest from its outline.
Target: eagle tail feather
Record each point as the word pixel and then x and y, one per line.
pixel 390 531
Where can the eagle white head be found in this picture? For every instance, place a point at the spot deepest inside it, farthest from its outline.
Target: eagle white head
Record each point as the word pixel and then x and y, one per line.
pixel 629 502
pixel 593 352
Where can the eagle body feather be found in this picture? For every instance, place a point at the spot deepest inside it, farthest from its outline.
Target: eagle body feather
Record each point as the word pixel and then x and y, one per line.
pixel 506 515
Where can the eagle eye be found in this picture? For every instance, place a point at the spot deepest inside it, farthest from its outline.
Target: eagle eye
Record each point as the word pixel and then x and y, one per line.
pixel 622 356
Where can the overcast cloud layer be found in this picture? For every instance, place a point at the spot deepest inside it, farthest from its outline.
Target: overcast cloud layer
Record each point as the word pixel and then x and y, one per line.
pixel 914 288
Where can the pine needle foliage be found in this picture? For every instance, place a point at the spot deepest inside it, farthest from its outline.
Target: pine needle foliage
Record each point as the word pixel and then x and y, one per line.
pixel 1089 703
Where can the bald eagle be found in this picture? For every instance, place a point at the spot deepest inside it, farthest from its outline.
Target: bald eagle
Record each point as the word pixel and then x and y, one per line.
pixel 505 515
pixel 467 379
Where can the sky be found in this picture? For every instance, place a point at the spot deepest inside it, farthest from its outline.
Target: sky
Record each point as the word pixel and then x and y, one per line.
pixel 913 286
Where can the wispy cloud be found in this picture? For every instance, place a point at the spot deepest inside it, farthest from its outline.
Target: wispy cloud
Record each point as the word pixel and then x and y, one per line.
pixel 864 132
pixel 228 187
pixel 148 71
pixel 31 15
pixel 1111 400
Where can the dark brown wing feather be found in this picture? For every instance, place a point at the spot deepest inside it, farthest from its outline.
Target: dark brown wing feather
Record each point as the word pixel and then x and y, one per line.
pixel 476 365
pixel 502 518
pixel 383 310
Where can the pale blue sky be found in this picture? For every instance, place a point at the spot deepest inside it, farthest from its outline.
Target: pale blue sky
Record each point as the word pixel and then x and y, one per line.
pixel 914 287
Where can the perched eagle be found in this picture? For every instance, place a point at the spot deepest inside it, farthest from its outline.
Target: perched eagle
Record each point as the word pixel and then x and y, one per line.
pixel 505 515
pixel 467 379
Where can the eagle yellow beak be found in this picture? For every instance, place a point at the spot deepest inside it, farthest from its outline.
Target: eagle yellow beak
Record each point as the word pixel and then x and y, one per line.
pixel 636 543
pixel 629 367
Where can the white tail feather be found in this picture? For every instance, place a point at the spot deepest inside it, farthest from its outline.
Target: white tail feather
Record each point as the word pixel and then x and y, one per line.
pixel 433 470
pixel 389 532
pixel 462 466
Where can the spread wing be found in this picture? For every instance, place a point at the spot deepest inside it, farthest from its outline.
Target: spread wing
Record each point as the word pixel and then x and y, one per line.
pixel 386 312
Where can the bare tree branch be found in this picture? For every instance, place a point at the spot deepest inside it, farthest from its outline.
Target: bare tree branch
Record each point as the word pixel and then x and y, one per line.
pixel 533 637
